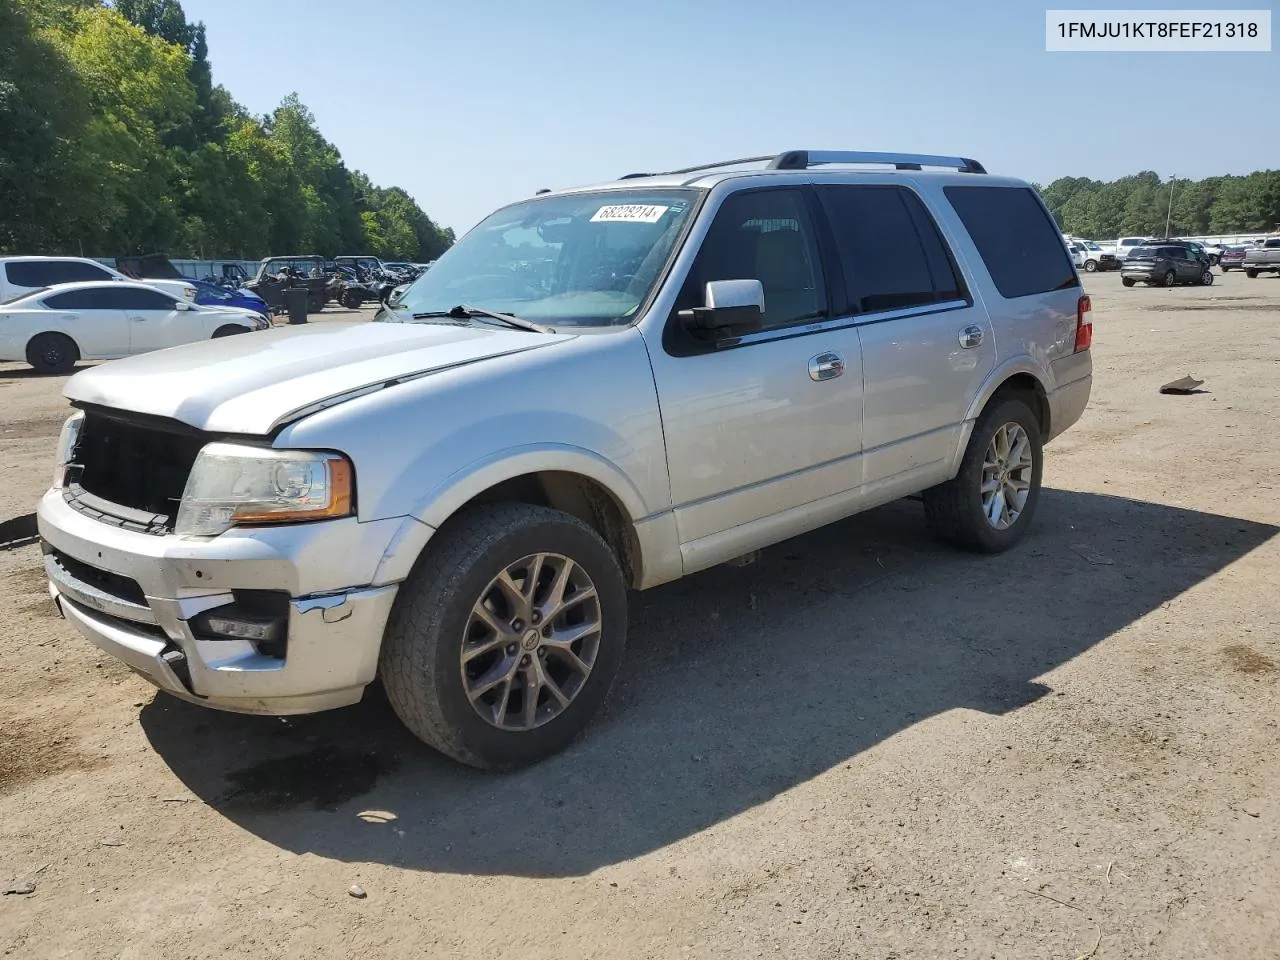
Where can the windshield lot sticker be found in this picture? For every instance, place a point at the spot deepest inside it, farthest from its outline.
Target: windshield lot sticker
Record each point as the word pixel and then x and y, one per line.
pixel 629 213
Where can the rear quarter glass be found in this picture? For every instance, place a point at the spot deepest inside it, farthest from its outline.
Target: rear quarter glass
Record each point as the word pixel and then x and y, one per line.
pixel 1037 291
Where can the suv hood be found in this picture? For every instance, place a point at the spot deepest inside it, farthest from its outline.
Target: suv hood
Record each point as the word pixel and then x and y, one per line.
pixel 255 382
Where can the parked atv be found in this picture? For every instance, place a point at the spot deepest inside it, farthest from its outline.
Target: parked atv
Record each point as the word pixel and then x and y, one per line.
pixel 277 274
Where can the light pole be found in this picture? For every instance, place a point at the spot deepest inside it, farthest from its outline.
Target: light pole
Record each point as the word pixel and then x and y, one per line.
pixel 1169 216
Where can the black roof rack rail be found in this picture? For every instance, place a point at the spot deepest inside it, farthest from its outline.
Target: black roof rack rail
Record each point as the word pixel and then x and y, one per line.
pixel 804 159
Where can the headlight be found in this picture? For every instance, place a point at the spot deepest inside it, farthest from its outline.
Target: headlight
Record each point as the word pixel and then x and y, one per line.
pixel 67 440
pixel 232 485
pixel 189 292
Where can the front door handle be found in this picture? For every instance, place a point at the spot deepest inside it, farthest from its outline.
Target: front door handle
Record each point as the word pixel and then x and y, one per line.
pixel 971 337
pixel 137 319
pixel 826 366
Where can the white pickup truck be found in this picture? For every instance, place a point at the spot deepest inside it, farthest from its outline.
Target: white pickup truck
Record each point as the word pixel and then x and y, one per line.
pixel 22 275
pixel 1090 256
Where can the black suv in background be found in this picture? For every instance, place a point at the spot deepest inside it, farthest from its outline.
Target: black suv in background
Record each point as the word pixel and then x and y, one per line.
pixel 1197 249
pixel 1166 264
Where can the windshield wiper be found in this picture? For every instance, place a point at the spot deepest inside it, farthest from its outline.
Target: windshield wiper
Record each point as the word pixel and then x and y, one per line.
pixel 465 311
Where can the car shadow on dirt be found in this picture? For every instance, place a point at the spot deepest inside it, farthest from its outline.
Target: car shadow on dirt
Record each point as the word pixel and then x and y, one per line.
pixel 738 685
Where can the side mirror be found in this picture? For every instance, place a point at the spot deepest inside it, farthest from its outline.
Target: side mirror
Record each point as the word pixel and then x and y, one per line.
pixel 736 305
pixel 183 305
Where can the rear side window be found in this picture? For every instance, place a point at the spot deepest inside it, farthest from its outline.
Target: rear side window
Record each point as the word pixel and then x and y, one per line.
pixel 890 249
pixel 91 299
pixel 1016 239
pixel 48 273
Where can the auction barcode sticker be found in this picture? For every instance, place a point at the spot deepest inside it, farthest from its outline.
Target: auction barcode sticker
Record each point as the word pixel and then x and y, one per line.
pixel 629 213
pixel 1166 31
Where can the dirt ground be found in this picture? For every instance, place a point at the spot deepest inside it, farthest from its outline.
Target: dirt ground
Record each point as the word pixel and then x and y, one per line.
pixel 865 745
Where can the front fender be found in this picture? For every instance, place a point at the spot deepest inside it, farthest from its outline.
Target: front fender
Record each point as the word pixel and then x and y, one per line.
pixel 438 503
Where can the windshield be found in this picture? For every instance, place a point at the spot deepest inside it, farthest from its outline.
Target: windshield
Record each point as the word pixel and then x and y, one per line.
pixel 586 259
pixel 211 290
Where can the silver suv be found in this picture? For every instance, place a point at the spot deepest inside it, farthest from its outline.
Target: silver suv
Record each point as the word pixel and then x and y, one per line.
pixel 595 389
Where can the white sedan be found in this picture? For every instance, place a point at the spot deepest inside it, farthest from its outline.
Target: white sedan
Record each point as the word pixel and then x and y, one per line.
pixel 53 328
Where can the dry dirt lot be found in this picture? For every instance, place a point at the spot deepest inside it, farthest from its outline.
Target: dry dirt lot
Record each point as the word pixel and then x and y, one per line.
pixel 865 745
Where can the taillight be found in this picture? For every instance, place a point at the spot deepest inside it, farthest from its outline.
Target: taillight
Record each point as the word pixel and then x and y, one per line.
pixel 1084 324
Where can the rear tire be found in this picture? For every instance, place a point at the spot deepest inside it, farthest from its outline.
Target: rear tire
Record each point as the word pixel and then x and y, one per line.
pixel 315 304
pixel 230 330
pixel 1206 278
pixel 52 353
pixel 1128 282
pixel 1170 279
pixel 1090 266
pixel 435 616
pixel 1251 274
pixel 957 510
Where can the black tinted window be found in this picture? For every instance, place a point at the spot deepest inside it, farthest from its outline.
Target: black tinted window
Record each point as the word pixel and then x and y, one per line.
pixel 131 298
pixel 1016 238
pixel 890 248
pixel 47 273
pixel 90 299
pixel 764 235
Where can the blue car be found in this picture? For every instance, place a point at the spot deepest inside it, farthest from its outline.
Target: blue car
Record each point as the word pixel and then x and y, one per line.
pixel 211 294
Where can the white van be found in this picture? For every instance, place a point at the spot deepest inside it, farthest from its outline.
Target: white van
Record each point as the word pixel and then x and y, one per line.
pixel 1126 245
pixel 21 275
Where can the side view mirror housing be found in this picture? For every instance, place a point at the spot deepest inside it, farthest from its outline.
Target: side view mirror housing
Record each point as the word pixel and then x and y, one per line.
pixel 184 305
pixel 731 305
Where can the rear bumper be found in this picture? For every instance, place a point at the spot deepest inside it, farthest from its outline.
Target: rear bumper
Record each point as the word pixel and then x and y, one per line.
pixel 333 635
pixel 1074 375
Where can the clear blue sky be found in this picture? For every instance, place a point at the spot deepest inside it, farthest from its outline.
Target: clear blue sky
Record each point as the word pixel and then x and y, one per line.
pixel 469 104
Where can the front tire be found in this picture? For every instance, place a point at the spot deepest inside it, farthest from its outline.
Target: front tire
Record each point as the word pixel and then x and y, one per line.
pixel 230 330
pixel 988 505
pixel 504 641
pixel 52 353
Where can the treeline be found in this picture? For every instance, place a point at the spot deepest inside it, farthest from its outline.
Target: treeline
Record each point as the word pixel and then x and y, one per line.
pixel 1138 205
pixel 114 139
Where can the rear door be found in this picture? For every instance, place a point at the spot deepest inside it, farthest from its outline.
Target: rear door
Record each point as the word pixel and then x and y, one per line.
pixel 927 346
pixel 99 330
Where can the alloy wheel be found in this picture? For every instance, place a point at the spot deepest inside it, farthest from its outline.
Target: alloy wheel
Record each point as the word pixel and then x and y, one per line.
pixel 1006 476
pixel 531 641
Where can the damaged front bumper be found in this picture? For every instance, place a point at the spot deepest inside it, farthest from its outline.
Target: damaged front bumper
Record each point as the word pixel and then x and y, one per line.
pixel 234 623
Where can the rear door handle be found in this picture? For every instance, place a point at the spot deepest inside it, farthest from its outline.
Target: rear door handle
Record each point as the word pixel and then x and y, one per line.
pixel 826 366
pixel 971 337
pixel 137 319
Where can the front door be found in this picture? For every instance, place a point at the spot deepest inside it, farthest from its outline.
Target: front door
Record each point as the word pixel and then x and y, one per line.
pixel 771 422
pixel 155 322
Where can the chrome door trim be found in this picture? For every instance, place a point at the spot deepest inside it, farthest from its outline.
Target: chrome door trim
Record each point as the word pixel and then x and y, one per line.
pixel 840 323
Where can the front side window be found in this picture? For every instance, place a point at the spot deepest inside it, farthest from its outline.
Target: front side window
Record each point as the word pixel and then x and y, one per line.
pixel 131 298
pixel 584 259
pixel 763 235
pixel 890 248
